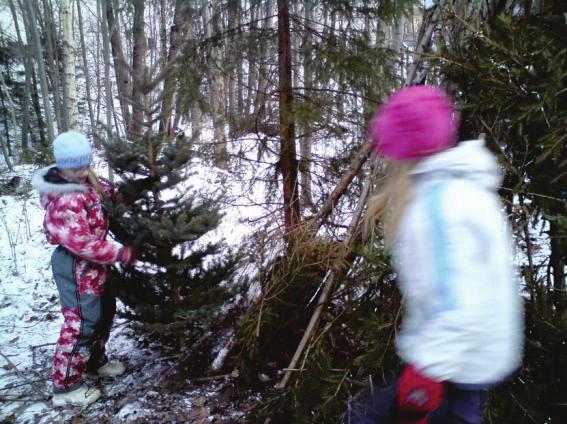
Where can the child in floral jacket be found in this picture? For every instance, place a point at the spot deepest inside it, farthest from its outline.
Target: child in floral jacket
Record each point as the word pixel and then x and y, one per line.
pixel 76 221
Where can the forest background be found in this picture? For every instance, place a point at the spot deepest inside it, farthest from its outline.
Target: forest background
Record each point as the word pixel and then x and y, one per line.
pixel 276 95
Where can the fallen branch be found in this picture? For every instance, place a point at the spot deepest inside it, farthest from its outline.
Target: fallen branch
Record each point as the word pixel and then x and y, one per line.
pixel 329 281
pixel 356 165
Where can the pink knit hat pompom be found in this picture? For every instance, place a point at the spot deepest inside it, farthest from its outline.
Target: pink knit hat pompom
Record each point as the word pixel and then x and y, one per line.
pixel 414 123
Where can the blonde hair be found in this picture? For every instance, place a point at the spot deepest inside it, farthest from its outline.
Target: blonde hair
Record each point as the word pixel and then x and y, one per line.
pixel 93 179
pixel 389 203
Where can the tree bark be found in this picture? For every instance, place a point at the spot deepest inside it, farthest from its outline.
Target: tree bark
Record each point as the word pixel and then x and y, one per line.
pixel 211 27
pixel 252 60
pixel 288 158
pixel 557 263
pixel 41 67
pixel 52 58
pixel 69 52
pixel 5 144
pixel 260 111
pixel 177 33
pixel 107 82
pixel 37 110
pixel 233 57
pixel 123 84
pixel 27 90
pixel 138 67
pixel 93 131
pixel 306 140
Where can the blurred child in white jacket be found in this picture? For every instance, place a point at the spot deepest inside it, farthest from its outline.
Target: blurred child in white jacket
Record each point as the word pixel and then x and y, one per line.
pixel 462 326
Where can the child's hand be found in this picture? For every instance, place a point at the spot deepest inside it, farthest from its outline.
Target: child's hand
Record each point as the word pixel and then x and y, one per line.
pixel 128 255
pixel 417 396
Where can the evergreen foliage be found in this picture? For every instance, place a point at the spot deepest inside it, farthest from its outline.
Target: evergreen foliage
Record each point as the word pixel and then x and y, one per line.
pixel 182 280
pixel 511 75
pixel 354 340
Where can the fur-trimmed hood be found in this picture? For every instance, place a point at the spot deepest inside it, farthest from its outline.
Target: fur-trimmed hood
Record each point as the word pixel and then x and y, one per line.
pixel 48 180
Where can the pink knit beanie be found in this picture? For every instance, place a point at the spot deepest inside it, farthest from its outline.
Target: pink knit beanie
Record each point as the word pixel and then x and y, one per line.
pixel 414 123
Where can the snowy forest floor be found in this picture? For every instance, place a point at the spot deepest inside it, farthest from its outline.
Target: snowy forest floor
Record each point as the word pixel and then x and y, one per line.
pixel 29 327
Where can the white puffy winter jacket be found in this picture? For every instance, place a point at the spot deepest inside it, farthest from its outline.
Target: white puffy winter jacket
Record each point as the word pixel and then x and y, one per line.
pixel 463 311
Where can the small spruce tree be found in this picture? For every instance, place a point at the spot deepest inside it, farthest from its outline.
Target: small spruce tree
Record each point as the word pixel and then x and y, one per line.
pixel 179 279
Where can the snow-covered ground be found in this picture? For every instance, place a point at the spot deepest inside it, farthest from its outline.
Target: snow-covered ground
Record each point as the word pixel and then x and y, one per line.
pixel 30 322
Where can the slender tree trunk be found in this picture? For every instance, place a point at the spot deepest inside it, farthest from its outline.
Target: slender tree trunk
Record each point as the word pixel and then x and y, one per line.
pixel 211 26
pixel 7 98
pixel 123 84
pixel 107 82
pixel 6 154
pixel 263 69
pixel 71 112
pixel 138 68
pixel 194 107
pixel 27 91
pixel 94 131
pixel 163 27
pixel 252 59
pixel 177 33
pixel 50 37
pixel 37 109
pixel 5 119
pixel 557 263
pixel 6 150
pixel 40 66
pixel 100 24
pixel 306 139
pixel 230 58
pixel 288 159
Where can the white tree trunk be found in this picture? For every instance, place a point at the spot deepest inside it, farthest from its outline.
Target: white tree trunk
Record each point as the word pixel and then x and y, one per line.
pixel 71 112
pixel 94 131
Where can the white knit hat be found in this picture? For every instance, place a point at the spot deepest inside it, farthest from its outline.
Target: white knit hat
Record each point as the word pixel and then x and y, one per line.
pixel 72 150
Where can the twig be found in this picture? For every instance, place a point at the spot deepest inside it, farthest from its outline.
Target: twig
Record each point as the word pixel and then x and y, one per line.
pixel 23 384
pixel 43 345
pixel 41 399
pixel 212 377
pixel 11 364
pixel 328 285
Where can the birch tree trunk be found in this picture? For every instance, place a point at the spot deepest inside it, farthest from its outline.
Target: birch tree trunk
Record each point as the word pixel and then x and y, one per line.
pixel 41 67
pixel 93 131
pixel 288 159
pixel 71 112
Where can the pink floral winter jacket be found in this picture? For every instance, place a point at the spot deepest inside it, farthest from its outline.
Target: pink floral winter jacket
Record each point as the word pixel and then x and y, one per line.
pixel 75 219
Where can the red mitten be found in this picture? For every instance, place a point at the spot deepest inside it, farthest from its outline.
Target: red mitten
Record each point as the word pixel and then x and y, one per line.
pixel 417 396
pixel 128 256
